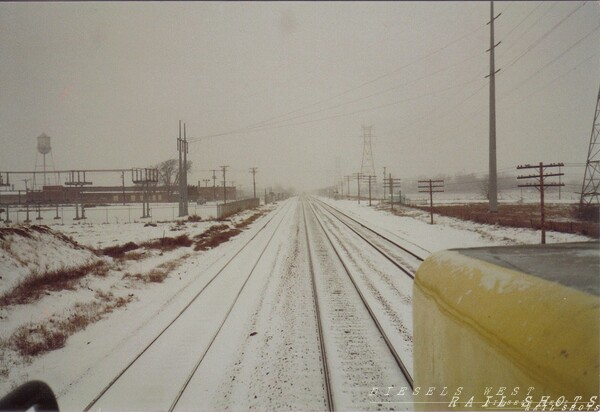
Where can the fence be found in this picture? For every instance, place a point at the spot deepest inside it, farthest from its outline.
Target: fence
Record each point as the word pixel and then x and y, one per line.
pixel 65 214
pixel 230 208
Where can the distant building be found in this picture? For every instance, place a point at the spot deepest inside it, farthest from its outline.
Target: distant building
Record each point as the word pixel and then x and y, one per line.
pixel 111 194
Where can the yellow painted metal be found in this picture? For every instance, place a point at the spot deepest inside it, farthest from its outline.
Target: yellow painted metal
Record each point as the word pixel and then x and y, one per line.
pixel 479 327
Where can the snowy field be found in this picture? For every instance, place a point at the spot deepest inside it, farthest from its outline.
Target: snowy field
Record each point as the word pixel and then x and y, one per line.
pixel 245 323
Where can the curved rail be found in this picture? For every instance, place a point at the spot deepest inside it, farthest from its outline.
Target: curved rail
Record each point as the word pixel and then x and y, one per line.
pixel 181 312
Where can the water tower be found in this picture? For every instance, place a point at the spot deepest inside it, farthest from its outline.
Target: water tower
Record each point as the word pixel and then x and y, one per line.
pixel 44 148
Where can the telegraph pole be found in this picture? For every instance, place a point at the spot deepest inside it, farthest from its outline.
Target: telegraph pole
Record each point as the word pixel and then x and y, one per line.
pixel 348 191
pixel 185 171
pixel 429 186
pixel 390 183
pixel 224 168
pixel 540 185
pixel 253 171
pixel 358 176
pixel 214 171
pixel 370 178
pixel 179 146
pixel 384 169
pixel 493 177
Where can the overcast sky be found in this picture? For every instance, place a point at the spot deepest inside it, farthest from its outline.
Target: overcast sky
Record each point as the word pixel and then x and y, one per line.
pixel 286 87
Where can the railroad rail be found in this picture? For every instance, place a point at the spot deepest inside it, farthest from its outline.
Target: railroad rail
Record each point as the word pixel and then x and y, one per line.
pixel 283 211
pixel 345 219
pixel 400 363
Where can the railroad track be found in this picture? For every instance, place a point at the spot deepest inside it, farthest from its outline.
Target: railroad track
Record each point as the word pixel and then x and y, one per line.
pixel 407 260
pixel 112 392
pixel 347 323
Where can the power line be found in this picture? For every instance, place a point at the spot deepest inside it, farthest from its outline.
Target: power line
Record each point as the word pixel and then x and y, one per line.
pixel 543 37
pixel 544 86
pixel 507 48
pixel 552 61
pixel 372 94
pixel 522 21
pixel 373 108
pixel 422 58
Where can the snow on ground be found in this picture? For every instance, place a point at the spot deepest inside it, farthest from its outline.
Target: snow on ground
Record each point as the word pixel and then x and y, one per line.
pixel 88 358
pixel 117 303
pixel 446 232
pixel 34 250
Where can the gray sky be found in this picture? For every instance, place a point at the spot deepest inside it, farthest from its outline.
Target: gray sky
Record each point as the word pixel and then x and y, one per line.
pixel 109 82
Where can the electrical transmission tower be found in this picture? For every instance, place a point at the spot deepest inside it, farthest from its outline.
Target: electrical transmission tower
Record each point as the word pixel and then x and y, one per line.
pixel 368 167
pixel 591 179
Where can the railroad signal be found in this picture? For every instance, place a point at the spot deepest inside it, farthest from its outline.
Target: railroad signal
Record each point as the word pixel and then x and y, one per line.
pixel 431 187
pixel 541 185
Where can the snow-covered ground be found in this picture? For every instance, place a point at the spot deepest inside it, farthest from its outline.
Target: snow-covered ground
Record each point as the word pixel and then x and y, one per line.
pixel 266 354
pixel 446 232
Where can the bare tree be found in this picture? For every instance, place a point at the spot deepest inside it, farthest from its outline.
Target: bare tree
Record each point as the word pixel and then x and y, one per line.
pixel 168 174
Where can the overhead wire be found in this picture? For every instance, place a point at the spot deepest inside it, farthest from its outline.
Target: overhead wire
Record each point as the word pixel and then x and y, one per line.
pixel 505 49
pixel 544 67
pixel 507 35
pixel 543 37
pixel 397 70
pixel 360 110
pixel 387 90
pixel 544 86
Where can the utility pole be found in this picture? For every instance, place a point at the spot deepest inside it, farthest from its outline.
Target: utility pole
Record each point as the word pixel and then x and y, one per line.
pixel 369 178
pixel 123 185
pixel 559 181
pixel 390 183
pixel 182 147
pixel 493 176
pixel 224 168
pixel 384 169
pixel 214 171
pixel 348 179
pixel 358 176
pixel 431 186
pixel 540 185
pixel 185 172
pixel 253 171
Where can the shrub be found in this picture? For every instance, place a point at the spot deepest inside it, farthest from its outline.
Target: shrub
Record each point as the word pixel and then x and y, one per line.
pixel 35 284
pixel 119 250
